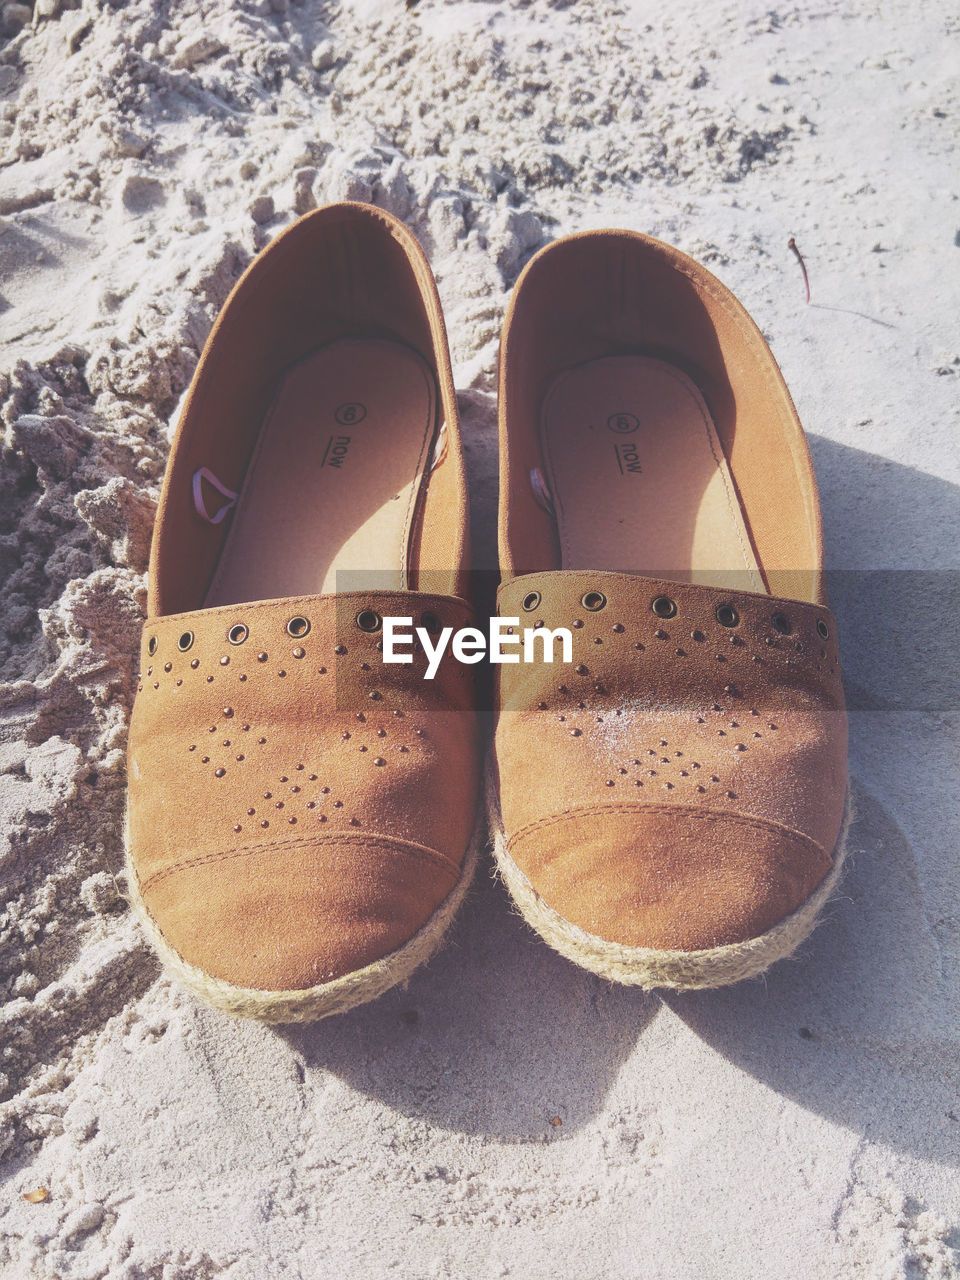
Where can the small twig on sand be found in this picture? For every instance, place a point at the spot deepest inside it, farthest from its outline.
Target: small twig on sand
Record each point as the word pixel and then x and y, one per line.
pixel 792 244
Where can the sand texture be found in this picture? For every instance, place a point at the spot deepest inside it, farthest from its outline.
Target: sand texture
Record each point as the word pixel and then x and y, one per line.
pixel 507 1114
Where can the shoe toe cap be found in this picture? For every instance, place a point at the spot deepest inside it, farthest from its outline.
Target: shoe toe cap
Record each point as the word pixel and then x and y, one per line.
pixel 669 878
pixel 295 916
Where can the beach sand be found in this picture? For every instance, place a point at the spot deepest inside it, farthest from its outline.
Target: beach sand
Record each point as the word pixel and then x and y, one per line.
pixel 506 1114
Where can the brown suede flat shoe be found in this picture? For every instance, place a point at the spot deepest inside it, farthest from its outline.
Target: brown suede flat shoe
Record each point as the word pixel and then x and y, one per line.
pixel 301 819
pixel 668 807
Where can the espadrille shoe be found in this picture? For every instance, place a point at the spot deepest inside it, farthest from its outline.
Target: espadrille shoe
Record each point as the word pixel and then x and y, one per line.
pixel 301 815
pixel 667 805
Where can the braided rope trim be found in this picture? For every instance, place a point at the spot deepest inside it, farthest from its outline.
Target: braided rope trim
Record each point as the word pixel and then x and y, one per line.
pixel 328 998
pixel 648 967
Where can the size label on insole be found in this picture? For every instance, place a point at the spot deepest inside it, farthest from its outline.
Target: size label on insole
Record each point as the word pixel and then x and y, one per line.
pixel 338 446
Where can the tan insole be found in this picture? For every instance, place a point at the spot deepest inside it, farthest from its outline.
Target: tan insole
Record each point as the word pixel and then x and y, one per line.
pixel 334 476
pixel 638 478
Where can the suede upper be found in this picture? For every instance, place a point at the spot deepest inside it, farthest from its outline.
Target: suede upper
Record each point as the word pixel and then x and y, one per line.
pixel 299 810
pixel 297 807
pixel 681 784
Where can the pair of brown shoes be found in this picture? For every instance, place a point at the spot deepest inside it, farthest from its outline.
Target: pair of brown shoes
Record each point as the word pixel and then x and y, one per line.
pixel 666 796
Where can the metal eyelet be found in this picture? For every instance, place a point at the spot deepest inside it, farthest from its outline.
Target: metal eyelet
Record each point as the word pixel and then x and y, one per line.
pixel 185 641
pixel 823 631
pixel 152 646
pixel 369 620
pixel 238 633
pixel 781 623
pixel 530 601
pixel 727 615
pixel 298 627
pixel 430 622
pixel 664 607
pixel 593 600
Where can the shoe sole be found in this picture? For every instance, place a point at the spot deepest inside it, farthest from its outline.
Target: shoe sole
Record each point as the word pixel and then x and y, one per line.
pixel 649 967
pixel 322 1001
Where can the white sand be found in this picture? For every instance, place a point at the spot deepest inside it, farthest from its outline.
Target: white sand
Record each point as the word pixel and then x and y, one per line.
pixel 805 1126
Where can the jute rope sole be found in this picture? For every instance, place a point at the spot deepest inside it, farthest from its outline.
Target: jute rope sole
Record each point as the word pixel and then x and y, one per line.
pixel 336 996
pixel 645 966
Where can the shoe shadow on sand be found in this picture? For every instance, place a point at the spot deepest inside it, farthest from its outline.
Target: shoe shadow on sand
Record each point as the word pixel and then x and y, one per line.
pixel 500 1036
pixel 863 1025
